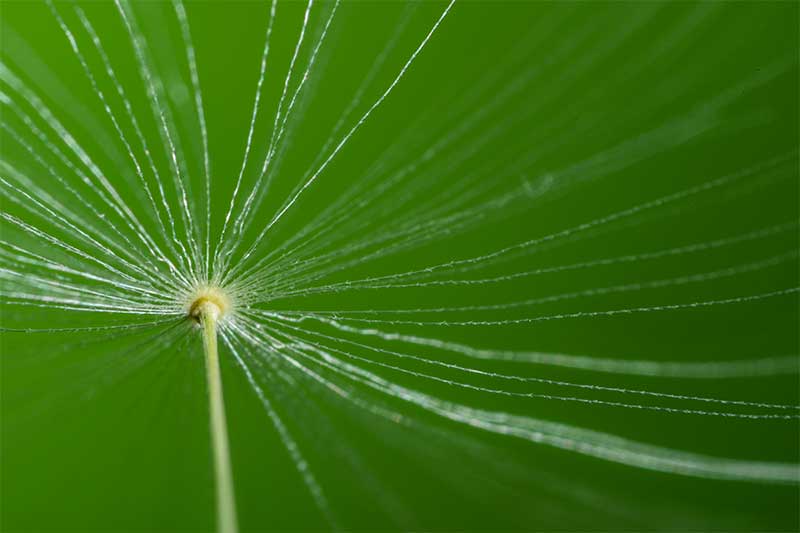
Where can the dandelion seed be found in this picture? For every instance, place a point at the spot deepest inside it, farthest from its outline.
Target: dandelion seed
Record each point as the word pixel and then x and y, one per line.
pixel 509 228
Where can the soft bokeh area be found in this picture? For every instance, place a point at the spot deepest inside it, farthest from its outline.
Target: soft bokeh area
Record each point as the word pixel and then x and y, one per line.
pixel 571 213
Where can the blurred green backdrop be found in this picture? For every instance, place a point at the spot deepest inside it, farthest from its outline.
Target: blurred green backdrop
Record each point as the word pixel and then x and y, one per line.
pixel 603 106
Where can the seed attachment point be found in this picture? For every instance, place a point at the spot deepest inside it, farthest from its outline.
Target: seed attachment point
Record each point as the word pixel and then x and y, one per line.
pixel 208 300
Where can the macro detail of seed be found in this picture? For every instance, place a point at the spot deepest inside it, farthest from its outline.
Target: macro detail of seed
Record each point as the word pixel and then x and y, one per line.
pixel 208 298
pixel 460 265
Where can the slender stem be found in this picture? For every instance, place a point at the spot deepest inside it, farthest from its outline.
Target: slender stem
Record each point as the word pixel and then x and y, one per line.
pixel 226 505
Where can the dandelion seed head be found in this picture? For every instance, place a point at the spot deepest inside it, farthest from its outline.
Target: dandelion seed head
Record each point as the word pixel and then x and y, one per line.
pixel 453 278
pixel 208 298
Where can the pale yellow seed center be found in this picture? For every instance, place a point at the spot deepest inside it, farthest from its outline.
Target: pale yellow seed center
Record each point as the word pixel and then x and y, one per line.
pixel 208 300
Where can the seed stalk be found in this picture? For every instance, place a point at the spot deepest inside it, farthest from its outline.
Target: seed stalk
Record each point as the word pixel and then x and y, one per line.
pixel 226 504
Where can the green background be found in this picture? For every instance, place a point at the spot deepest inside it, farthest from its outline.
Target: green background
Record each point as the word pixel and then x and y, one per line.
pixel 108 431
